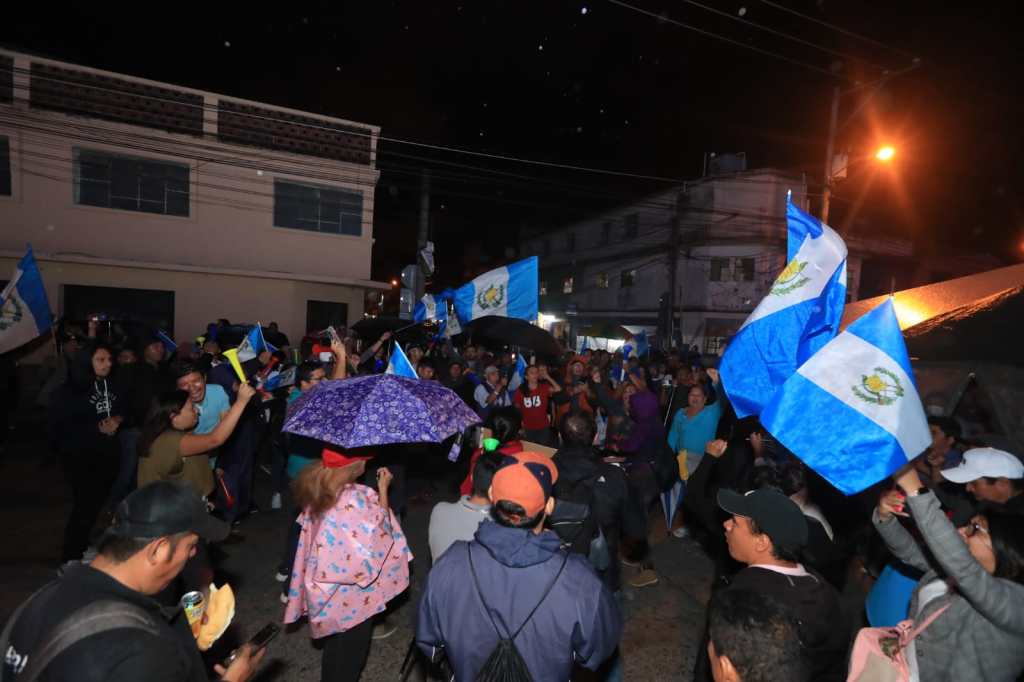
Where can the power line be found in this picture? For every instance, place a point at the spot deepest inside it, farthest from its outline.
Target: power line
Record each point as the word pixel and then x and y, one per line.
pixel 786 36
pixel 840 29
pixel 731 41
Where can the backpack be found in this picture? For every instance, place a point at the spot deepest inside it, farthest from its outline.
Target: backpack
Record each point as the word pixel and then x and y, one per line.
pixel 576 527
pixel 505 663
pixel 93 619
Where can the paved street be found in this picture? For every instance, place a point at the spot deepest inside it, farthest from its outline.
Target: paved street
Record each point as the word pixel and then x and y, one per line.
pixel 661 631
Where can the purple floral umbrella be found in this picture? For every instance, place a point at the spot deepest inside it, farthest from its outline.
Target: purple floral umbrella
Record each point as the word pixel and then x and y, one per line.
pixel 379 409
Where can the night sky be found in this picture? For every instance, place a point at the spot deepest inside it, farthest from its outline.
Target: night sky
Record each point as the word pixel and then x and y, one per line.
pixel 597 84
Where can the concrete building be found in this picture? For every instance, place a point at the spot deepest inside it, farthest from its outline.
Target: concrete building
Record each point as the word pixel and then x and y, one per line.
pixel 177 207
pixel 613 269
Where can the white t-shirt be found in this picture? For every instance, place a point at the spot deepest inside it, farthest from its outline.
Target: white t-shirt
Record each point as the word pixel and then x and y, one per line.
pixel 453 521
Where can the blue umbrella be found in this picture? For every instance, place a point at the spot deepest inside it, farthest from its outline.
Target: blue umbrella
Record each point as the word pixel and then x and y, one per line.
pixel 379 409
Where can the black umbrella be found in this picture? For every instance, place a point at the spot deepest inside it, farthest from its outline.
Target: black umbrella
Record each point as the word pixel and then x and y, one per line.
pixel 371 328
pixel 982 331
pixel 512 331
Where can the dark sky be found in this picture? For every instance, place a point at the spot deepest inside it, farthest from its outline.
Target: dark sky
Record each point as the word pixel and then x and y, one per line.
pixel 599 85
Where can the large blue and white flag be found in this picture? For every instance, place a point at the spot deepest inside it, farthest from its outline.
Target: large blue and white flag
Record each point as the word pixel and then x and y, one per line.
pixel 24 308
pixel 852 412
pixel 510 291
pixel 520 368
pixel 253 344
pixel 642 345
pixel 799 315
pixel 399 364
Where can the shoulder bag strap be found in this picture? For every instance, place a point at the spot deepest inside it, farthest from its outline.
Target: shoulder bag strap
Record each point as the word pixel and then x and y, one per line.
pixel 479 592
pixel 565 559
pixel 918 629
pixel 5 636
pixel 90 620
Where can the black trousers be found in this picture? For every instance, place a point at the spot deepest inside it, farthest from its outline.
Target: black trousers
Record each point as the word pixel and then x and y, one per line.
pixel 345 653
pixel 91 476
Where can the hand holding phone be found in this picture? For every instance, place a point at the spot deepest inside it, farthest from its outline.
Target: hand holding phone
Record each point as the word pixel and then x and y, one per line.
pixel 254 648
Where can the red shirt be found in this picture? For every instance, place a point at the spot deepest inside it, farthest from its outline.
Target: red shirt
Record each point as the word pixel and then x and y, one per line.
pixel 533 405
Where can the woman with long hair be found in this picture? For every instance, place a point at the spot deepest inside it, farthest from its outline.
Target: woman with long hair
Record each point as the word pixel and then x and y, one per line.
pixel 504 424
pixel 86 413
pixel 352 560
pixel 169 451
pixel 976 573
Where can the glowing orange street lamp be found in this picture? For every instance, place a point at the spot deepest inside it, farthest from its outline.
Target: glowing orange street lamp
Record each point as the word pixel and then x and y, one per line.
pixel 394 282
pixel 885 153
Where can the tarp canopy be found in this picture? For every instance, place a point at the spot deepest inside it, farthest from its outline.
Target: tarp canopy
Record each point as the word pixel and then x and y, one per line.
pixel 986 330
pixel 916 305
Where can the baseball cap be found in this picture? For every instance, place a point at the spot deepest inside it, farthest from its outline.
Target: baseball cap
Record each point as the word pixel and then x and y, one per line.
pixel 165 508
pixel 335 459
pixel 776 515
pixel 987 462
pixel 490 368
pixel 525 478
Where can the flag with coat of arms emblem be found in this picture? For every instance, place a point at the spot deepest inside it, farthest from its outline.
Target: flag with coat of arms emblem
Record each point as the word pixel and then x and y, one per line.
pixel 799 315
pixel 852 412
pixel 24 308
pixel 509 291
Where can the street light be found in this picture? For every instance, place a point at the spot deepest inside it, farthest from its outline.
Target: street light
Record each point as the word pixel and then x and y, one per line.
pixel 394 282
pixel 885 153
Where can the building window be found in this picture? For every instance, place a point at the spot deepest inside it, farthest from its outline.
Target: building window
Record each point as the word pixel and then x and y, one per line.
pixel 318 209
pixel 627 278
pixel 131 184
pixel 631 226
pixel 323 314
pixel 567 285
pixel 714 344
pixel 5 167
pixel 732 269
pixel 606 233
pixel 602 280
pixel 543 288
pixel 570 242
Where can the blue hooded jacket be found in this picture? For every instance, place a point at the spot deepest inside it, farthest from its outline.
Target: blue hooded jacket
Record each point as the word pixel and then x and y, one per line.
pixel 579 620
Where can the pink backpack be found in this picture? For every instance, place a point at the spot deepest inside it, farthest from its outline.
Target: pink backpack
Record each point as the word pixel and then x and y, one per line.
pixel 878 653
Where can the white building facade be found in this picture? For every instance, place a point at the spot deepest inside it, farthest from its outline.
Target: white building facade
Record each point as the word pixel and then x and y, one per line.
pixel 730 244
pixel 176 206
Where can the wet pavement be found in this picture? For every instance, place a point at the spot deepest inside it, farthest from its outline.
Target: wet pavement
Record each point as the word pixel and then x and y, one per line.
pixel 663 627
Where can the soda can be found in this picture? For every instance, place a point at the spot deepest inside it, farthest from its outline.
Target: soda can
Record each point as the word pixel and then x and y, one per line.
pixel 194 605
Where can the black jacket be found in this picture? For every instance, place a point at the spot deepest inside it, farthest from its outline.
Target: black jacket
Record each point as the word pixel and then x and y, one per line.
pixel 814 604
pixel 120 655
pixel 585 479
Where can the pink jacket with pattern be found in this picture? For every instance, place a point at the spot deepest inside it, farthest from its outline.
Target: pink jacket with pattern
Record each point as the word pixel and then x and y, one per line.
pixel 350 562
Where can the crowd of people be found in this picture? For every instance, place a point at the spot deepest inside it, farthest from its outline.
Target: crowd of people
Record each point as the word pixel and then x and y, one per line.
pixel 580 463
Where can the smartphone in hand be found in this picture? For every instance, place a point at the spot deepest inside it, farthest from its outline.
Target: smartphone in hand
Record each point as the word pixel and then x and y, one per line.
pixel 258 641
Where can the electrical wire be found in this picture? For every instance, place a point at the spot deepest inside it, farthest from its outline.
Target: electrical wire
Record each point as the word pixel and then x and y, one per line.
pixel 840 29
pixel 786 36
pixel 731 41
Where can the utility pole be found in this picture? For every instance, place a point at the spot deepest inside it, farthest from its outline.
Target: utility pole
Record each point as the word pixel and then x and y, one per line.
pixel 826 193
pixel 673 267
pixel 421 241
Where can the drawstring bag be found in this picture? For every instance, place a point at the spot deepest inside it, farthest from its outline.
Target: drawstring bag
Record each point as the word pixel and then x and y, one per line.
pixel 879 653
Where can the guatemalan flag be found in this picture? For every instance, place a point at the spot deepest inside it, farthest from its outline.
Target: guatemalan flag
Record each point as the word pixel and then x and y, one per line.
pixel 510 291
pixel 253 344
pixel 852 412
pixel 800 314
pixel 399 364
pixel 432 308
pixel 24 308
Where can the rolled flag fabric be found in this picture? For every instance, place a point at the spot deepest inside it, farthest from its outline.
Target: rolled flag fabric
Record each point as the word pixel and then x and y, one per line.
pixel 852 412
pixel 520 367
pixel 399 364
pixel 24 308
pixel 800 313
pixel 252 345
pixel 166 340
pixel 510 291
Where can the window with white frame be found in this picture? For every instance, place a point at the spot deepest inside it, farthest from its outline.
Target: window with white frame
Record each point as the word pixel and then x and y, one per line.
pixel 602 280
pixel 728 269
pixel 627 278
pixel 567 285
pixel 130 183
pixel 318 209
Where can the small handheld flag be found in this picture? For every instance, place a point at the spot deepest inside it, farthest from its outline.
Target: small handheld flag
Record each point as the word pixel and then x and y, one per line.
pixel 252 345
pixel 24 308
pixel 852 412
pixel 166 340
pixel 399 364
pixel 521 367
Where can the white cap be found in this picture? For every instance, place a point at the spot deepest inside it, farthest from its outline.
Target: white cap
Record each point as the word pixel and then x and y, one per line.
pixel 987 462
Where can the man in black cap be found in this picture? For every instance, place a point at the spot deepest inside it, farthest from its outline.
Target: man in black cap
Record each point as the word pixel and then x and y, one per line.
pixel 155 531
pixel 766 532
